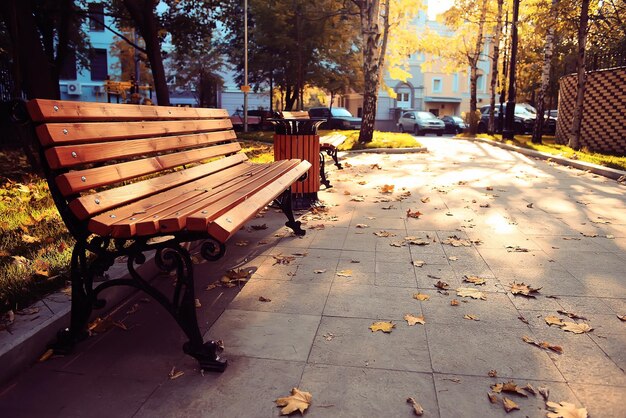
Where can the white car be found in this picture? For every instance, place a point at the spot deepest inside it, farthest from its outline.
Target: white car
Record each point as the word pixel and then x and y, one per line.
pixel 420 123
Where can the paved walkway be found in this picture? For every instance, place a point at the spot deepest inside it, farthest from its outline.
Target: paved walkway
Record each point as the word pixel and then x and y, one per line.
pixel 553 228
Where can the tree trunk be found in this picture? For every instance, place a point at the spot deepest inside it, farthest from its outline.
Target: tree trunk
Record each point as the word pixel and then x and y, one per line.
pixel 545 74
pixel 473 63
pixel 371 31
pixel 494 68
pixel 37 75
pixel 143 14
pixel 574 139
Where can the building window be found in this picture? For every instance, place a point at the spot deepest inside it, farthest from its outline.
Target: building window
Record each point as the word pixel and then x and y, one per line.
pixel 96 17
pixel 68 70
pixel 437 85
pixel 480 83
pixel 98 64
pixel 455 83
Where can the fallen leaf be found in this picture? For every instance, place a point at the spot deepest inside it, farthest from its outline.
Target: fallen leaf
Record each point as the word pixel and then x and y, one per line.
pixel 264 299
pixel 524 320
pixel 328 336
pixel 471 317
pixel 382 326
pixel 319 271
pixel 457 242
pixel 412 320
pixel 425 199
pixel 45 356
pixel 197 303
pixel 454 302
pixel 133 309
pixel 175 374
pixel 523 289
pixel 492 373
pixel 468 292
pixel 543 344
pixel 344 273
pixel 242 243
pixel 388 207
pixel 384 234
pixel 530 389
pixel 474 279
pixel 622 317
pixel 212 286
pixel 489 188
pixel 373 166
pixel 571 315
pixel 387 188
pixel 417 408
pixel 258 227
pixel 553 320
pixel 442 285
pixel 420 263
pixel 492 397
pixel 28 239
pixel 576 328
pixel 298 401
pixel 358 199
pixel 396 244
pixel 420 296
pixel 544 392
pixel 589 235
pixel 346 192
pixel 516 249
pixel 511 387
pixel 508 404
pixel 565 410
pixel 453 258
pixel 411 214
pixel 362 226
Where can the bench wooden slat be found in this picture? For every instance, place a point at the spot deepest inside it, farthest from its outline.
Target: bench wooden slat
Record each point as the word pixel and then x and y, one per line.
pixel 215 204
pixel 198 221
pixel 79 181
pixel 295 114
pixel 86 206
pixel 102 224
pixel 73 155
pixel 42 110
pixel 230 222
pixel 66 133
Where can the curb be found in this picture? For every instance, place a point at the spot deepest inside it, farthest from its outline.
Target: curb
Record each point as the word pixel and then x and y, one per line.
pixel 30 334
pixel 611 173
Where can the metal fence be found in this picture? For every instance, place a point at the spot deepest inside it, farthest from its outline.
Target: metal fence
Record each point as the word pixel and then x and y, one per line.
pixel 610 59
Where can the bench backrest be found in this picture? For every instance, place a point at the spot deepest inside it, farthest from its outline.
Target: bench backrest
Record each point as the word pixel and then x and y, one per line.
pixel 297 114
pixel 99 156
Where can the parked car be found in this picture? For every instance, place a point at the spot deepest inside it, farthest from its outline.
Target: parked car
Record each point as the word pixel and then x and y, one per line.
pixel 420 123
pixel 454 124
pixel 254 122
pixel 264 115
pixel 554 113
pixel 336 118
pixel 524 119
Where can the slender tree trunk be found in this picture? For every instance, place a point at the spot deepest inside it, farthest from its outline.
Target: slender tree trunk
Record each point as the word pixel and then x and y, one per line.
pixel 574 139
pixel 38 75
pixel 545 74
pixel 473 63
pixel 494 68
pixel 372 32
pixel 143 14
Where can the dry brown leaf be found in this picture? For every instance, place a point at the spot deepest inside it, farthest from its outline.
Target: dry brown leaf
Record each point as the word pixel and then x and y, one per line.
pixel 454 302
pixel 553 320
pixel 420 263
pixel 258 227
pixel 576 328
pixel 420 296
pixel 283 259
pixel 242 243
pixel 358 199
pixel 425 199
pixel 511 387
pixel 396 244
pixel 412 320
pixel 376 165
pixel 362 226
pixel 175 374
pixel 298 401
pixel 524 320
pixel 571 315
pixel 411 214
pixel 319 271
pixel 417 408
pixel 492 397
pixel 544 392
pixel 508 404
pixel 565 410
pixel 344 273
pixel 384 234
pixel 328 336
pixel 197 303
pixel 387 188
pixel 382 326
pixel 453 258
pixel 492 373
pixel 442 285
pixel 523 289
pixel 543 344
pixel 264 299
pixel 468 292
pixel 455 241
pixel 622 317
pixel 530 389
pixel 474 279
pixel 471 317
pixel 45 356
pixel 416 241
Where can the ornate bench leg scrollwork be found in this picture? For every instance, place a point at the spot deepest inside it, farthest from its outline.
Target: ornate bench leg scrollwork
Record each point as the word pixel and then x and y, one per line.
pixel 324 180
pixel 284 203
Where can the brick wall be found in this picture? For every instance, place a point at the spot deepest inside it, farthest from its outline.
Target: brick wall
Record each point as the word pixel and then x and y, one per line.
pixel 604 111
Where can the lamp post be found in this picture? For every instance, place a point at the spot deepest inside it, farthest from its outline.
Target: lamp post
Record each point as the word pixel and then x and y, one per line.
pixel 245 65
pixel 509 128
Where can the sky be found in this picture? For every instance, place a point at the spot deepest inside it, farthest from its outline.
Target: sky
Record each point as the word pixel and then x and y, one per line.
pixel 438 6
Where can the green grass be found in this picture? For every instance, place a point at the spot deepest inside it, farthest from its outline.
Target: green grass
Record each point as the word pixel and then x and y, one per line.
pixel 549 146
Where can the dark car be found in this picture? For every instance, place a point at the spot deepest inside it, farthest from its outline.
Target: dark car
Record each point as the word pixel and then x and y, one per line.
pixel 420 123
pixel 264 115
pixel 523 123
pixel 336 118
pixel 454 124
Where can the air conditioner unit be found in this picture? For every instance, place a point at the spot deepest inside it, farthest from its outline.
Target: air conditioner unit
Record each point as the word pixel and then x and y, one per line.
pixel 99 89
pixel 74 88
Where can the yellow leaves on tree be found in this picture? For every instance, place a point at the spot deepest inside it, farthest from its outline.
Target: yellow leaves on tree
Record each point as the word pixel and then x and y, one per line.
pixel 298 401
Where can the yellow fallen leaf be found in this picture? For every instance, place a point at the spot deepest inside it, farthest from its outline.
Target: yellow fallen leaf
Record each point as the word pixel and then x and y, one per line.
pixel 543 344
pixel 382 326
pixel 467 292
pixel 471 317
pixel 420 296
pixel 384 234
pixel 523 289
pixel 553 320
pixel 197 303
pixel 576 328
pixel 28 239
pixel 511 387
pixel 411 214
pixel 358 199
pixel 298 401
pixel 417 408
pixel 492 397
pixel 362 226
pixel 508 404
pixel 419 263
pixel 45 356
pixel 344 273
pixel 319 271
pixel 412 319
pixel 442 285
pixel 387 188
pixel 474 279
pixel 565 410
pixel 264 299
pixel 454 302
pixel 622 317
pixel 425 199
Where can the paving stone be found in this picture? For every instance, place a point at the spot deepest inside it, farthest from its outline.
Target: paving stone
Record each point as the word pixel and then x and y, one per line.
pixel 552 281
pixel 266 334
pixel 601 400
pixel 366 301
pixel 354 344
pixel 379 393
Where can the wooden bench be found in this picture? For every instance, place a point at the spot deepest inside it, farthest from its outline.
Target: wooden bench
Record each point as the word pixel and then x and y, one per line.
pixel 328 144
pixel 128 179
